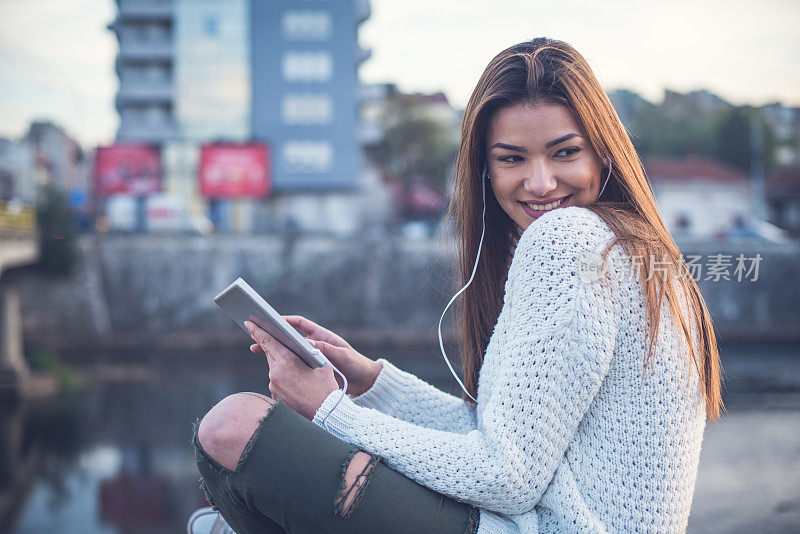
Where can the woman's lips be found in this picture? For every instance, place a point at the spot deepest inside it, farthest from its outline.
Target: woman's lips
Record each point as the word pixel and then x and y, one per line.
pixel 538 213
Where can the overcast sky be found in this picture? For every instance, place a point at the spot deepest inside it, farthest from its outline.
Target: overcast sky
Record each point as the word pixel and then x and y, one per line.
pixel 57 57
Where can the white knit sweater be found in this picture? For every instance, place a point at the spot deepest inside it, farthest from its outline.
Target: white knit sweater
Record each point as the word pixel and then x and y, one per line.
pixel 570 434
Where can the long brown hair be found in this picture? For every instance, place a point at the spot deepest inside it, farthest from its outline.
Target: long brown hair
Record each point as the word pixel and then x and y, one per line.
pixel 550 71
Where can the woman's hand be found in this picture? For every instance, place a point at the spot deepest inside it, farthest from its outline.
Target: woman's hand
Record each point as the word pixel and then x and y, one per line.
pixel 302 388
pixel 360 371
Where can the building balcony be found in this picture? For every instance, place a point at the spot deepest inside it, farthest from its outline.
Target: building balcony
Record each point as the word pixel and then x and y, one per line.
pixel 122 65
pixel 151 10
pixel 146 51
pixel 144 92
pixel 362 54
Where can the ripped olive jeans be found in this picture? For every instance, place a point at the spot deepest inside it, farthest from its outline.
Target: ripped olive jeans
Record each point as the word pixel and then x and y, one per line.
pixel 290 479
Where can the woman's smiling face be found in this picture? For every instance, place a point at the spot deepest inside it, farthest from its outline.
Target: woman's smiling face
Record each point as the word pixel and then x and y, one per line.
pixel 538 160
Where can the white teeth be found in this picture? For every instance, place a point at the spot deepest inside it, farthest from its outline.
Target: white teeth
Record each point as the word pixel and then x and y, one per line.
pixel 546 207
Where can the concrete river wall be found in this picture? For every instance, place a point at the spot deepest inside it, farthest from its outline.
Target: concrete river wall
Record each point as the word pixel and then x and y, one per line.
pixel 157 291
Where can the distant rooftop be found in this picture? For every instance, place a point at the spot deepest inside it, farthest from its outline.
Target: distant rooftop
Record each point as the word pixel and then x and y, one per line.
pixel 692 168
pixel 430 98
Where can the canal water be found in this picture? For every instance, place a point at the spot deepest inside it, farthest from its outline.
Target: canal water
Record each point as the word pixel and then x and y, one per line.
pixel 115 456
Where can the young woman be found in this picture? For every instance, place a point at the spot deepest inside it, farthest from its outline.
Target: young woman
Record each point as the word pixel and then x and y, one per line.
pixel 591 356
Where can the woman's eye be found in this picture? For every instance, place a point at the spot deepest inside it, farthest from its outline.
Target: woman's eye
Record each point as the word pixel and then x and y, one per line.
pixel 509 159
pixel 572 153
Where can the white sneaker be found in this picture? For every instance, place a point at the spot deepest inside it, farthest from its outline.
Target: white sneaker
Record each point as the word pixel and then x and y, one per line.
pixel 207 521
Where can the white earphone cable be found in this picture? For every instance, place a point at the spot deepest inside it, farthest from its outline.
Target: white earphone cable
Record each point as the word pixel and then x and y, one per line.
pixel 343 390
pixel 474 269
pixel 484 177
pixel 607 177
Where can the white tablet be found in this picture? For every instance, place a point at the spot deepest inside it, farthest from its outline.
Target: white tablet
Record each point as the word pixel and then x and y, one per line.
pixel 242 303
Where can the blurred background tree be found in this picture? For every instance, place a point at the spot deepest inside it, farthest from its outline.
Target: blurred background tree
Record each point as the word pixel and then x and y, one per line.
pixel 698 123
pixel 418 145
pixel 57 241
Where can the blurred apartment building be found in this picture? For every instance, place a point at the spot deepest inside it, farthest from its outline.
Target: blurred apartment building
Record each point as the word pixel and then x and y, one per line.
pixel 17 172
pixel 44 155
pixel 208 81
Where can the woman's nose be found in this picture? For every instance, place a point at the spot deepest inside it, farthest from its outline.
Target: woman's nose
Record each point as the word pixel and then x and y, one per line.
pixel 540 181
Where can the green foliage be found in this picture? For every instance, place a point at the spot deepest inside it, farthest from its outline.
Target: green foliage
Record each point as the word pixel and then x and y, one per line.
pixel 658 132
pixel 57 241
pixel 48 362
pixel 681 125
pixel 417 146
pixel 734 143
pixel 43 360
pixel 733 138
pixel 771 145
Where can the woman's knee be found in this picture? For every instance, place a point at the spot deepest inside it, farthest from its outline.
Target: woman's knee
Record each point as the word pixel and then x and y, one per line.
pixel 229 426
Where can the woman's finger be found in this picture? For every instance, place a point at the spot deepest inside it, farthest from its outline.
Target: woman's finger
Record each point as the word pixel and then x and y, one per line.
pixel 268 344
pixel 299 323
pixel 332 352
pixel 313 330
pixel 308 327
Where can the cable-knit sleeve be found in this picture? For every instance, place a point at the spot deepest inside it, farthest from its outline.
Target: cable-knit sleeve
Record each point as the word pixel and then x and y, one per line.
pixel 545 362
pixel 407 397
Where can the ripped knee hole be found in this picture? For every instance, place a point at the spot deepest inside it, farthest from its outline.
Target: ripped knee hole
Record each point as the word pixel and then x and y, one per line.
pixel 356 474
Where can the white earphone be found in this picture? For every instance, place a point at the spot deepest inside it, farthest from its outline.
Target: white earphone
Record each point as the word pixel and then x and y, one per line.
pixel 484 177
pixel 607 177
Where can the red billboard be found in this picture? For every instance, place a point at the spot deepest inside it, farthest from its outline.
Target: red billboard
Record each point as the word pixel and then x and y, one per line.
pixel 234 170
pixel 127 168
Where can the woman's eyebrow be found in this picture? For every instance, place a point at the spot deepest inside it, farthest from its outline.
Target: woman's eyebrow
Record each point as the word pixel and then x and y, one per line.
pixel 515 148
pixel 524 150
pixel 554 142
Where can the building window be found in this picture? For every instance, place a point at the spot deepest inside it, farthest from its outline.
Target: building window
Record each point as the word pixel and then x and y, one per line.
pixel 152 115
pixel 307 156
pixel 141 32
pixel 307 66
pixel 306 26
pixel 307 108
